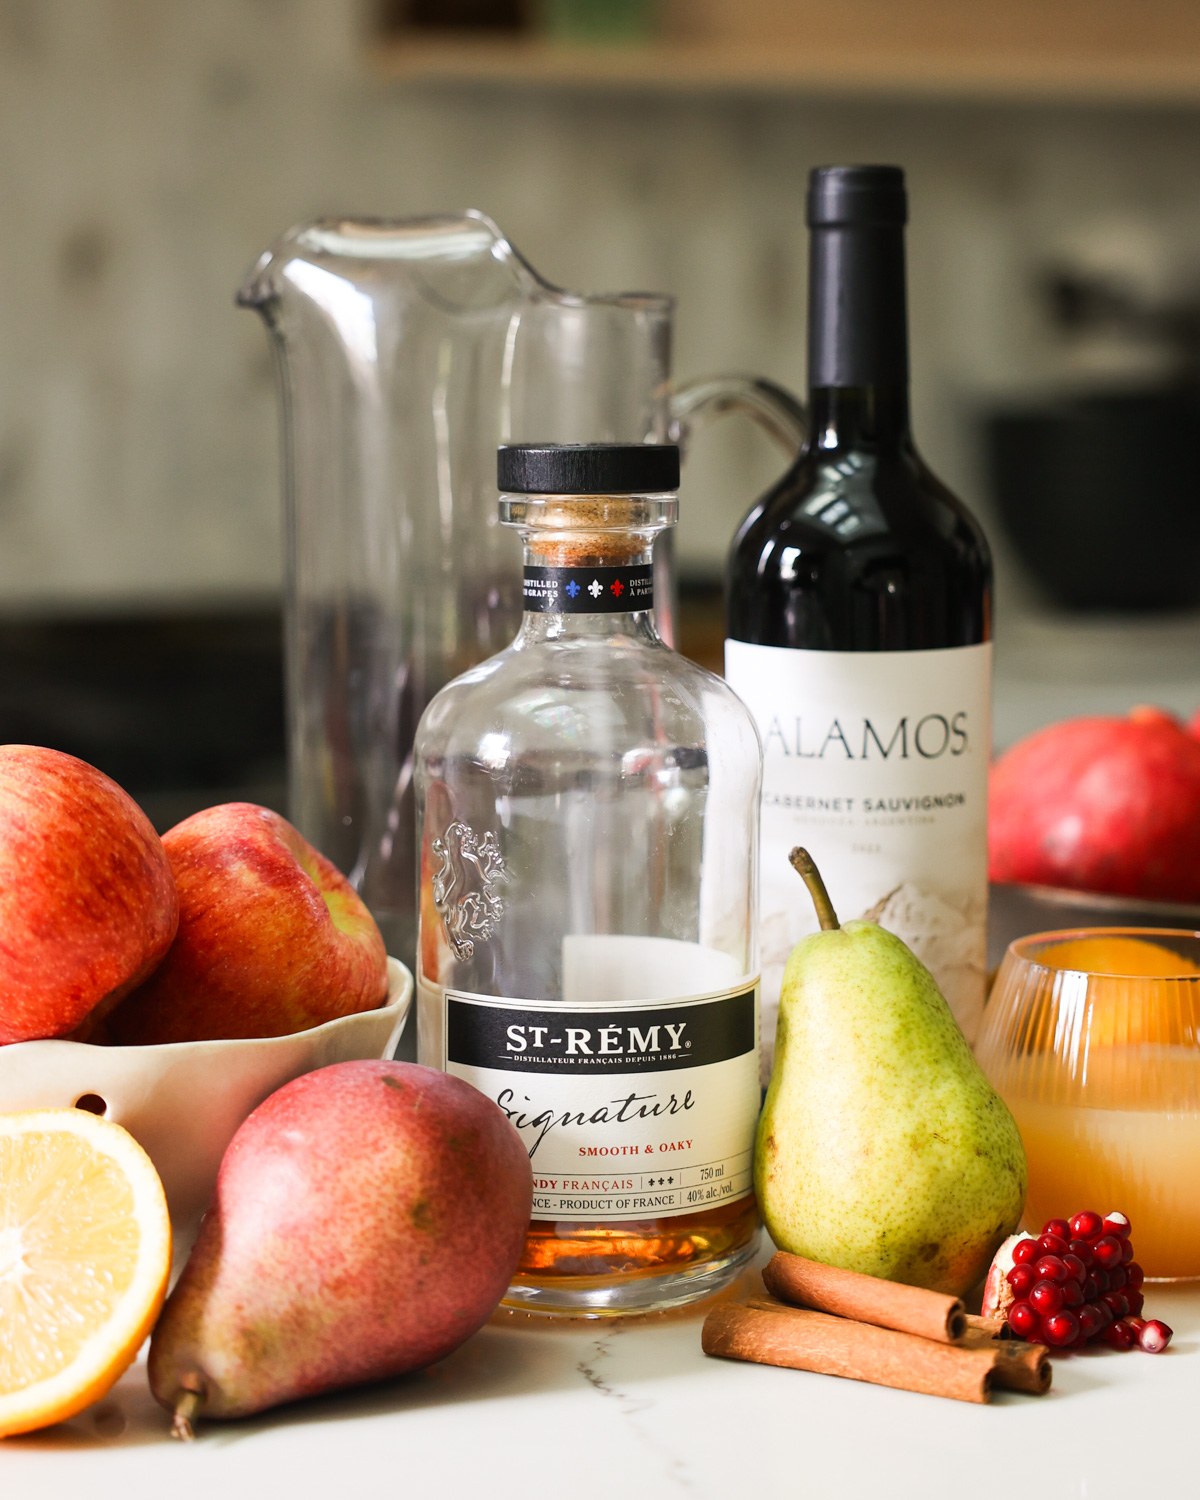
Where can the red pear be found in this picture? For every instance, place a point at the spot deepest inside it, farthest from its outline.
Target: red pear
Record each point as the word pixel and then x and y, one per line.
pixel 368 1218
pixel 87 900
pixel 1101 804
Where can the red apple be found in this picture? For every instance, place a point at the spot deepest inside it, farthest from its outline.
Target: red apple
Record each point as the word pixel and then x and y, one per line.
pixel 87 899
pixel 272 938
pixel 1110 805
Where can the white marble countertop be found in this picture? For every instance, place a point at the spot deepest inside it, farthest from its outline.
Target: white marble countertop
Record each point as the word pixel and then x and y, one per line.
pixel 588 1412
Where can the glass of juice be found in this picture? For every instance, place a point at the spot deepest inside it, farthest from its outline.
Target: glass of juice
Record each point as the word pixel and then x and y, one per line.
pixel 1092 1037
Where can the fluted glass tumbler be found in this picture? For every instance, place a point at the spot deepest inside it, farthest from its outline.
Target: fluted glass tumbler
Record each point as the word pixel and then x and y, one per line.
pixel 1092 1037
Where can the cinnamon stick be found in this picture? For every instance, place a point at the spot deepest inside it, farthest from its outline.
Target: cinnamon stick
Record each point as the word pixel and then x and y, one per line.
pixel 1019 1366
pixel 849 1294
pixel 769 1333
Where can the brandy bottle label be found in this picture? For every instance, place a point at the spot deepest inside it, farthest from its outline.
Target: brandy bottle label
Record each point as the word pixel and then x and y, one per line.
pixel 877 763
pixel 589 591
pixel 629 1110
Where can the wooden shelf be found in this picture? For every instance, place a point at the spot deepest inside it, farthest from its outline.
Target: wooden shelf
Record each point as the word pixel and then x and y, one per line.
pixel 1137 52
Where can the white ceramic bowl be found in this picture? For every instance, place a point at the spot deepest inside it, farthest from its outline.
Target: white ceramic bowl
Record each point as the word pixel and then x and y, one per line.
pixel 184 1100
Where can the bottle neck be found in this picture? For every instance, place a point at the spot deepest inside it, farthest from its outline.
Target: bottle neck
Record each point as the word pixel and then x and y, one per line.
pixel 857 336
pixel 589 569
pixel 873 417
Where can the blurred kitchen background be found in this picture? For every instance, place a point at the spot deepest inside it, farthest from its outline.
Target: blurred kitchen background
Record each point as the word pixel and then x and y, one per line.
pixel 151 149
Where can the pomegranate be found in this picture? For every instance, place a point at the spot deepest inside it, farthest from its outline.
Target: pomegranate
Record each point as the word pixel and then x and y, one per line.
pixel 1067 1298
pixel 1101 804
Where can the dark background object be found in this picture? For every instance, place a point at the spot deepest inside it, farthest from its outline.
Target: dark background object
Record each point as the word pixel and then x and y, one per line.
pixel 437 15
pixel 183 711
pixel 1100 496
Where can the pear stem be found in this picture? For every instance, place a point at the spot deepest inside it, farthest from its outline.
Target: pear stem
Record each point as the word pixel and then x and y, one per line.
pixel 185 1409
pixel 802 862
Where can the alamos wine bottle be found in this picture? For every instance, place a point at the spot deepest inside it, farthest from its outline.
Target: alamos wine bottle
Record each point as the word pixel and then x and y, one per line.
pixel 859 617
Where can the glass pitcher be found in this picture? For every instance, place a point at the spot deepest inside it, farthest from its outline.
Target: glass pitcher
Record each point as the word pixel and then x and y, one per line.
pixel 407 352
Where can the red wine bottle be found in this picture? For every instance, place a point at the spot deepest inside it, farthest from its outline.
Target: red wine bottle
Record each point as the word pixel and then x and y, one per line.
pixel 859 620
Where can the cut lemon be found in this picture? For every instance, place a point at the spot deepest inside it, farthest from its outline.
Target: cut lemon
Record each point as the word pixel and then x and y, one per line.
pixel 85 1251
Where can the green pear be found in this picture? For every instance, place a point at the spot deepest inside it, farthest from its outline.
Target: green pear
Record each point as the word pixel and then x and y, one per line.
pixel 882 1147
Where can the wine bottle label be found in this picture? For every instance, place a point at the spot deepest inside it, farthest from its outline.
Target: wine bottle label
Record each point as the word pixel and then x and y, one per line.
pixel 641 1110
pixel 589 591
pixel 877 763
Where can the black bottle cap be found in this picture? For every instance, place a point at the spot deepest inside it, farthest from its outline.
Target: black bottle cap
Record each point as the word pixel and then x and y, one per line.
pixel 866 196
pixel 588 468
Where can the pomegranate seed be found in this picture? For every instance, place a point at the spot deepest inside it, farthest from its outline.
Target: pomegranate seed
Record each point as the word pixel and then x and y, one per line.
pixel 1136 1302
pixel 1025 1252
pixel 1023 1320
pixel 1072 1294
pixel 1053 1244
pixel 1076 1267
pixel 1134 1322
pixel 1060 1329
pixel 1107 1252
pixel 1022 1279
pixel 1050 1268
pixel 1117 1279
pixel 1091 1290
pixel 1126 1252
pixel 1154 1336
pixel 1134 1276
pixel 1046 1297
pixel 1101 1279
pixel 1117 1225
pixel 1118 1336
pixel 1060 1227
pixel 1116 1304
pixel 1102 1312
pixel 1082 1251
pixel 1090 1319
pixel 1087 1226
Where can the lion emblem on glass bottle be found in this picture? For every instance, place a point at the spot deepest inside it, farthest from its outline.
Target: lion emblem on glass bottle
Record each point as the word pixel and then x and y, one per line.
pixel 464 886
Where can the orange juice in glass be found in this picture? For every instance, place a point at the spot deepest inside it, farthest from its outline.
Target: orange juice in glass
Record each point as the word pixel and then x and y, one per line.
pixel 1092 1038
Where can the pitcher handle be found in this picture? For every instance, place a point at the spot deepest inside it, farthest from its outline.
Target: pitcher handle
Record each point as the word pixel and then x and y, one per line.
pixel 781 416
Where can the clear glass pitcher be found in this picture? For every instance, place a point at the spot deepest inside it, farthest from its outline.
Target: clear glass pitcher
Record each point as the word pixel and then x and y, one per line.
pixel 407 351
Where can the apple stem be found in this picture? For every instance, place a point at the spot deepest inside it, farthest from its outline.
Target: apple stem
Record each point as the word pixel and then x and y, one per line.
pixel 185 1409
pixel 802 862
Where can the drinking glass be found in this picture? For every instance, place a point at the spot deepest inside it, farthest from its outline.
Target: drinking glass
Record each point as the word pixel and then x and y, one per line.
pixel 1092 1038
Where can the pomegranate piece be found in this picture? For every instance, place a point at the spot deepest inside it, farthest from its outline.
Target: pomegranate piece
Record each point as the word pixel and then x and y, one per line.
pixel 998 1293
pixel 1057 1227
pixel 1134 1276
pixel 1116 1304
pixel 1060 1329
pixel 1117 1225
pixel 1087 1225
pixel 1025 1251
pixel 1136 1302
pixel 1082 1252
pixel 1126 1252
pixel 1053 1244
pixel 1091 1289
pixel 1107 1252
pixel 1024 1321
pixel 1118 1279
pixel 1154 1336
pixel 1072 1294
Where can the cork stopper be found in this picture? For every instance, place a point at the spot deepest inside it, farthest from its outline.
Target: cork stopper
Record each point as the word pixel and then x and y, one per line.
pixel 586 531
